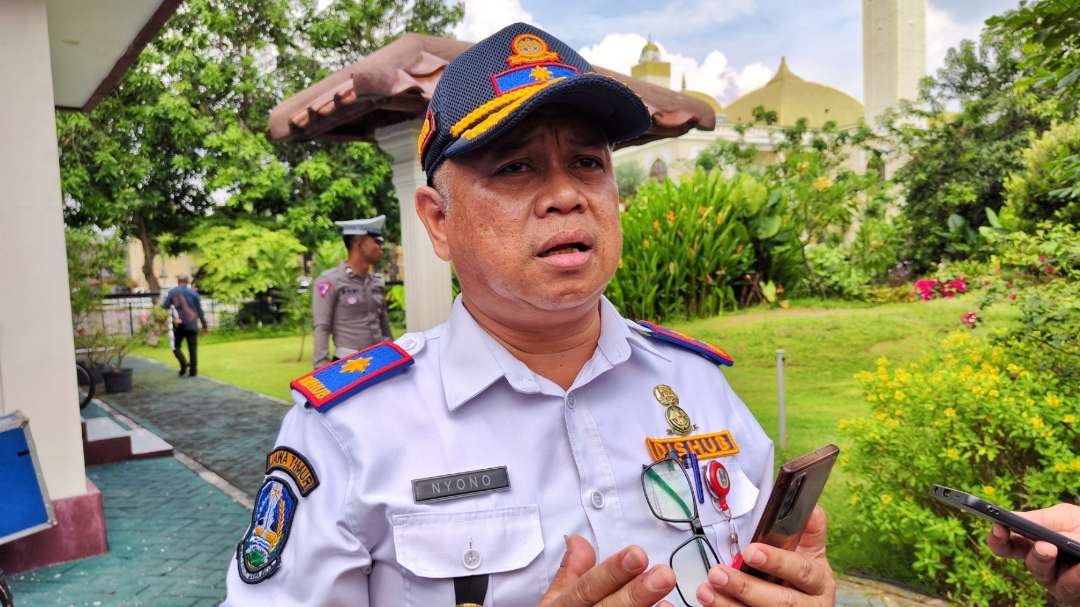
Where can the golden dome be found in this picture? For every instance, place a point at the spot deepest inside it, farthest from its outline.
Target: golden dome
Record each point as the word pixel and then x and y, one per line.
pixel 792 98
pixel 649 53
pixel 707 98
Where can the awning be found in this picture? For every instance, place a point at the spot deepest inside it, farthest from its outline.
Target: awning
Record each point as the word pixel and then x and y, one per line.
pixel 394 84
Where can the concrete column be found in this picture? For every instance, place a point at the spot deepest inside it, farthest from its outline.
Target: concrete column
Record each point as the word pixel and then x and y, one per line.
pixel 427 278
pixel 37 358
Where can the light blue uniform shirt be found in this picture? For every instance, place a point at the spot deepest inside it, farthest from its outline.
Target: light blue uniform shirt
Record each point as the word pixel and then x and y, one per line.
pixel 574 459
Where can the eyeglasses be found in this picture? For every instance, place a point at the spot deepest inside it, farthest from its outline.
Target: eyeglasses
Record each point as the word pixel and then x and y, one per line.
pixel 671 498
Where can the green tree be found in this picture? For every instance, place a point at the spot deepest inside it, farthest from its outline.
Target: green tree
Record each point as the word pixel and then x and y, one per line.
pixel 957 163
pixel 184 136
pixel 629 176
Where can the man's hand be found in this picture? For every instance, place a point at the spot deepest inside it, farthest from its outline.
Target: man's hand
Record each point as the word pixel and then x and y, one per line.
pixel 806 571
pixel 620 581
pixel 1041 557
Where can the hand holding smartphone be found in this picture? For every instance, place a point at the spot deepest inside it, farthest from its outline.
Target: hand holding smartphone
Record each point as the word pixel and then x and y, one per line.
pixel 799 484
pixel 1068 550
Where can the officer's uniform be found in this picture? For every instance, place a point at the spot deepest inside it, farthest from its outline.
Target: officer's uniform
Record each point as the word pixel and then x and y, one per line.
pixel 573 459
pixel 409 470
pixel 349 306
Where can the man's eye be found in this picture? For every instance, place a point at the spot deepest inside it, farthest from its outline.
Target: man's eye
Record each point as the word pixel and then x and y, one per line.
pixel 589 162
pixel 513 167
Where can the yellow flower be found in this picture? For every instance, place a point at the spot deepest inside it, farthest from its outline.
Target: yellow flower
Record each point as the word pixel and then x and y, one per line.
pixel 621 263
pixel 854 500
pixel 871 397
pixel 670 217
pixel 656 226
pixel 1060 467
pixel 988 490
pixel 994 393
pixel 950 412
pixel 886 499
pixel 822 183
pixel 645 243
pixel 952 454
pixel 1012 368
pixel 1075 464
pixel 844 424
pixel 1053 400
pixel 899 395
pixel 720 217
pixel 1069 418
pixel 1036 422
pixel 802 167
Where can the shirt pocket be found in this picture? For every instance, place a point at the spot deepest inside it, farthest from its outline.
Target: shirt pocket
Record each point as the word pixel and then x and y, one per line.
pixel 741 500
pixel 433 548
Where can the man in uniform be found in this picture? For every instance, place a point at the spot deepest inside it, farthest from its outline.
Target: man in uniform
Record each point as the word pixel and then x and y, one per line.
pixel 491 459
pixel 349 301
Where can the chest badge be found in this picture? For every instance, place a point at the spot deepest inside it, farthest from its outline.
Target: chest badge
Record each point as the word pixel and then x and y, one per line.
pixel 677 418
pixel 461 484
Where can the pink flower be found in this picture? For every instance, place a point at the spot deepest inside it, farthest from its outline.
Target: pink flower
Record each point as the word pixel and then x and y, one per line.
pixel 926 287
pixel 970 319
pixel 958 284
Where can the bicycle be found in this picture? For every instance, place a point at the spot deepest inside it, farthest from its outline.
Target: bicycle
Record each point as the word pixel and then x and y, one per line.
pixel 84 378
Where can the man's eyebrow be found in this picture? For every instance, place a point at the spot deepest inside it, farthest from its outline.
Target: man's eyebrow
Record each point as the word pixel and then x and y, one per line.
pixel 511 145
pixel 587 138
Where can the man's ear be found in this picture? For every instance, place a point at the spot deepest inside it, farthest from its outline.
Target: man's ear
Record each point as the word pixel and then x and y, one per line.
pixel 431 208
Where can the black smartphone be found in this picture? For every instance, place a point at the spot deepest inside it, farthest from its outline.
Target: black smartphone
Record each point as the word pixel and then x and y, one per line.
pixel 799 484
pixel 1068 550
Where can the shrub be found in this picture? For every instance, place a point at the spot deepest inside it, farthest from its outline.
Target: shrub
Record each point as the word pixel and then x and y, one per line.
pixel 975 416
pixel 685 246
pixel 1048 186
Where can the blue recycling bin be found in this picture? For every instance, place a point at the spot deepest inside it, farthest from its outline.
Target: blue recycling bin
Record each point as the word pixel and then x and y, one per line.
pixel 24 500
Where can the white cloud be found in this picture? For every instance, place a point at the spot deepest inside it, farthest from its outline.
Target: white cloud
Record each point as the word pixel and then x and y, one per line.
pixel 943 33
pixel 485 17
pixel 714 75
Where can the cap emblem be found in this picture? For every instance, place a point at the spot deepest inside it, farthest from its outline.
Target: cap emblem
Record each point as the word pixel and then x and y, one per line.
pixel 426 131
pixel 530 48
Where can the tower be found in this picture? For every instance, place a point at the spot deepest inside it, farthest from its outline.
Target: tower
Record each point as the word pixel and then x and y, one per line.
pixel 894 53
pixel 651 68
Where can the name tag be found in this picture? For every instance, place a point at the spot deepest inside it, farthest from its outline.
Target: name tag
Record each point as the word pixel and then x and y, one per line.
pixel 461 484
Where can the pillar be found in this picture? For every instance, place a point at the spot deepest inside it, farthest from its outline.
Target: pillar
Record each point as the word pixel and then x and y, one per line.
pixel 427 278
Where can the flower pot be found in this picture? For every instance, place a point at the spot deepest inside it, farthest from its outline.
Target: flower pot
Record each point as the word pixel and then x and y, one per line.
pixel 118 380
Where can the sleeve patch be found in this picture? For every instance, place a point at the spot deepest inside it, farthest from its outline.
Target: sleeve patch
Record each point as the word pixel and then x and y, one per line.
pixel 296 466
pixel 701 348
pixel 323 287
pixel 258 555
pixel 331 384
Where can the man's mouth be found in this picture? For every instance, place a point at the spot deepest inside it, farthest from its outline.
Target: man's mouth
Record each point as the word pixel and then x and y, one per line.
pixel 563 249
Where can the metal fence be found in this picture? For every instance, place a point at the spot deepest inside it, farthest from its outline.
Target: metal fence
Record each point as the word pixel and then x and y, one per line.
pixel 126 313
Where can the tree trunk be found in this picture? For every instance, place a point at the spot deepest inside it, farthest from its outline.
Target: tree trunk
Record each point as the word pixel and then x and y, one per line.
pixel 149 252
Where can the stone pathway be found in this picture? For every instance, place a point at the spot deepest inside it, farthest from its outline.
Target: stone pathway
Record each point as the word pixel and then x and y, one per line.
pixel 171 532
pixel 171 535
pixel 226 429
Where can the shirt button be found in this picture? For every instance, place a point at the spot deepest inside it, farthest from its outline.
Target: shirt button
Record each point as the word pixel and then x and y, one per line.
pixel 597 499
pixel 570 401
pixel 471 559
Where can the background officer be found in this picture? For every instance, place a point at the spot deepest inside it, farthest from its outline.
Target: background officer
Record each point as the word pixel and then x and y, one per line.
pixel 349 302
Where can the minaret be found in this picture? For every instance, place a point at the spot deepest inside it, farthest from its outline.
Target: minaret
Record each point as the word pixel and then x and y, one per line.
pixel 650 68
pixel 894 53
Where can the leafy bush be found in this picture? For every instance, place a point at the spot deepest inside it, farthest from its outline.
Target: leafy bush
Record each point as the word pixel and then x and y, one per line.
pixel 629 175
pixel 1048 187
pixel 837 275
pixel 976 416
pixel 246 259
pixel 685 246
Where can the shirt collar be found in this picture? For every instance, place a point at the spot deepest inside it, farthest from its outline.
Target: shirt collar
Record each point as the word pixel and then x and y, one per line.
pixel 471 360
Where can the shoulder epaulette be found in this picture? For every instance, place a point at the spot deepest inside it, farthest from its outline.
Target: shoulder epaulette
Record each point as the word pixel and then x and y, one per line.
pixel 701 348
pixel 331 384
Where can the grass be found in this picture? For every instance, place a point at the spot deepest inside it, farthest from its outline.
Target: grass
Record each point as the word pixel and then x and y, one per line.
pixel 824 348
pixel 825 344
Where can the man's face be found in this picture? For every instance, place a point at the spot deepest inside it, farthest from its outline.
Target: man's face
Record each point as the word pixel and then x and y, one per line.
pixel 533 220
pixel 371 249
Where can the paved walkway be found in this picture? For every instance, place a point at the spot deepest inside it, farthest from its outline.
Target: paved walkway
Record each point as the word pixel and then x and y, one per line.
pixel 171 533
pixel 226 429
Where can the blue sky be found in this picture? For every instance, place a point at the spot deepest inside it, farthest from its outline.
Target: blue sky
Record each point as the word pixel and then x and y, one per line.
pixel 726 47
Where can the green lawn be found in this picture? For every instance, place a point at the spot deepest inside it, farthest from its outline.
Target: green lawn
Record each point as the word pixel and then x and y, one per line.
pixel 825 345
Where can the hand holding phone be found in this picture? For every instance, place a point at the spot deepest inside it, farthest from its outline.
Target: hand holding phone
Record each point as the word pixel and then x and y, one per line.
pixel 799 484
pixel 1068 549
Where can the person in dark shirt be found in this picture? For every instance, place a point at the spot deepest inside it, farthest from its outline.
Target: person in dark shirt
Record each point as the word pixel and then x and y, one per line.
pixel 189 310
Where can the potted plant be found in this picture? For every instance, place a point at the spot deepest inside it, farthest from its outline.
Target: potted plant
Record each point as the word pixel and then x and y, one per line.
pixel 117 376
pixel 92 349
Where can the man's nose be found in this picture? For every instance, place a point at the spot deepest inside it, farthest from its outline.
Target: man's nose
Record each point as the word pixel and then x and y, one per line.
pixel 563 193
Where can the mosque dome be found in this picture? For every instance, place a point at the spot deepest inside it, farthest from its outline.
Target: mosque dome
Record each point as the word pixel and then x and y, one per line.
pixel 707 98
pixel 650 52
pixel 792 98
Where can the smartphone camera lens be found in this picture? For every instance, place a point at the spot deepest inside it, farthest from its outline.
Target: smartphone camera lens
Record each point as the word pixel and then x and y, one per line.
pixel 947 493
